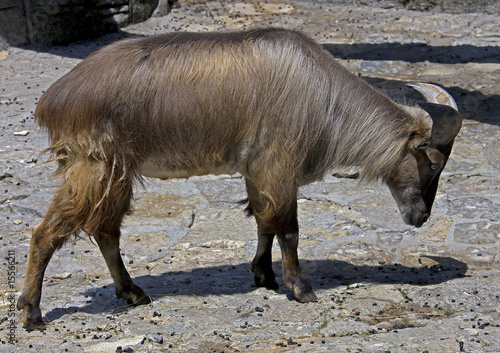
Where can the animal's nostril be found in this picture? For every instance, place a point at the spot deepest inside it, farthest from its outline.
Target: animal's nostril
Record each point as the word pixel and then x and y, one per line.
pixel 425 217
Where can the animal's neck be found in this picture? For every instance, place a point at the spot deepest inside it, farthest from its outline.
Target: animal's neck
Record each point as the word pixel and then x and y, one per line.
pixel 370 131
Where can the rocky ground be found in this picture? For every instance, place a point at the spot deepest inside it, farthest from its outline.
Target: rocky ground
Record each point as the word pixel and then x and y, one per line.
pixel 382 286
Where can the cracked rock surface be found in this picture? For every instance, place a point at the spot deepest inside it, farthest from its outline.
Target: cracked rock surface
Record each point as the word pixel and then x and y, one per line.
pixel 382 286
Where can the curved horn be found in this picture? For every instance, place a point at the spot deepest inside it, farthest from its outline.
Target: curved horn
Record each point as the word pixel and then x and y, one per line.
pixel 434 94
pixel 446 123
pixel 443 110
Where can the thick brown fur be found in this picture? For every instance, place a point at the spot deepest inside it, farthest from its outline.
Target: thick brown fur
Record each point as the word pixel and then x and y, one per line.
pixel 190 101
pixel 96 186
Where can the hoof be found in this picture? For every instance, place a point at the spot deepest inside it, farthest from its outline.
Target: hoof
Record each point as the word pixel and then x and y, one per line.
pixel 264 276
pixel 32 316
pixel 305 297
pixel 30 325
pixel 302 290
pixel 134 296
pixel 145 299
pixel 268 282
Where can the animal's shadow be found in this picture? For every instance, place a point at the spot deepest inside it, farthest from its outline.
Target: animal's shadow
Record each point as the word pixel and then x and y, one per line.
pixel 416 52
pixel 82 48
pixel 471 104
pixel 237 279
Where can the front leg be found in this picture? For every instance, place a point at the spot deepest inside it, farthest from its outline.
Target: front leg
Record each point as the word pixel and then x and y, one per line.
pixel 275 210
pixel 292 273
pixel 262 262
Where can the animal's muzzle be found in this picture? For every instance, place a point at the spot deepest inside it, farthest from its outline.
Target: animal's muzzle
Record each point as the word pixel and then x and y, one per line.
pixel 416 218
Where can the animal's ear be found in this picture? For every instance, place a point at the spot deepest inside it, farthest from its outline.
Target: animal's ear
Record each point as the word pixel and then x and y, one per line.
pixel 446 123
pixel 443 110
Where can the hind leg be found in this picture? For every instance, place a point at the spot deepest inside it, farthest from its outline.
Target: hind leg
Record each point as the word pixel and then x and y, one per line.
pixel 59 223
pixel 125 287
pixel 48 236
pixel 41 249
pixel 108 240
pixel 94 197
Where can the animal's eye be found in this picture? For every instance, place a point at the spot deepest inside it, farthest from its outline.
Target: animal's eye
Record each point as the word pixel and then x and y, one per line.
pixel 423 145
pixel 435 166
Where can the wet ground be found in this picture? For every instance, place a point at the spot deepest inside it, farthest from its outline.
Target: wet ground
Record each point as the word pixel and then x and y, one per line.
pixel 382 286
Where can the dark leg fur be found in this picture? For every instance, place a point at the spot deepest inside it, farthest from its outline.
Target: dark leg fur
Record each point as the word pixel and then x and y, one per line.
pixel 108 241
pixel 262 262
pixel 286 228
pixel 292 273
pixel 125 288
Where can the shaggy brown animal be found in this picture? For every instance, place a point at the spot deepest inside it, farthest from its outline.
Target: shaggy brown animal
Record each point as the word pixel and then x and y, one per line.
pixel 270 104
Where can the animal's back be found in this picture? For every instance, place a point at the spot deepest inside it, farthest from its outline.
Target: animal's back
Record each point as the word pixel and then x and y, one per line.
pixel 193 101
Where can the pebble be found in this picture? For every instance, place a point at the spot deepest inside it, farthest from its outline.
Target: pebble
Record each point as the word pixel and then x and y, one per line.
pixel 356 285
pixel 63 275
pixel 152 337
pixel 21 133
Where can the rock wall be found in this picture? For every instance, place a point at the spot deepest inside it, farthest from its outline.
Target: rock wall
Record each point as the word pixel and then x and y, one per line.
pixel 12 22
pixel 62 21
pixel 51 22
